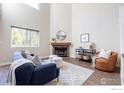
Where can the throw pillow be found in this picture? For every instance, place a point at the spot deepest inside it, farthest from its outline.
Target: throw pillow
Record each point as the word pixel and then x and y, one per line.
pixel 29 57
pixel 104 54
pixel 36 60
pixel 32 54
pixel 24 54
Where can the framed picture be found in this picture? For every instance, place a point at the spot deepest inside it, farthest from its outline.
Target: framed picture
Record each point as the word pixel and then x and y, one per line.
pixel 84 38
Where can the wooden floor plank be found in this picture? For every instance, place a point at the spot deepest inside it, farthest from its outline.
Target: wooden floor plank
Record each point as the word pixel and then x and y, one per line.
pixel 98 77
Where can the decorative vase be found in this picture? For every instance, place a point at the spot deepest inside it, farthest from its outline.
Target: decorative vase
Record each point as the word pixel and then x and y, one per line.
pixel 54 40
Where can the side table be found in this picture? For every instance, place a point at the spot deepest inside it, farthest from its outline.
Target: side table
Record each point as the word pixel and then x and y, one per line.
pixel 85 54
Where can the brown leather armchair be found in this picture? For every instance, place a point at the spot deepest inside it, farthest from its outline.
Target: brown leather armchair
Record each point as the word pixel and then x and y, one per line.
pixel 107 64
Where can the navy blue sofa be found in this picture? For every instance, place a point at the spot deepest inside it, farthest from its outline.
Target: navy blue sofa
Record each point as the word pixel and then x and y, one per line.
pixel 28 74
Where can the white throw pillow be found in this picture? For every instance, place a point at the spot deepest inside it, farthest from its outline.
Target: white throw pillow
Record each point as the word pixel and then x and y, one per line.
pixel 29 57
pixel 104 54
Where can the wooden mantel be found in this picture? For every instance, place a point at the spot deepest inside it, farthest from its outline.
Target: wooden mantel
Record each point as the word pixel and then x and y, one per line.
pixel 61 43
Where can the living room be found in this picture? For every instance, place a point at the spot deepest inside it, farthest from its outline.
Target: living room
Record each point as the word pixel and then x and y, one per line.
pixel 83 26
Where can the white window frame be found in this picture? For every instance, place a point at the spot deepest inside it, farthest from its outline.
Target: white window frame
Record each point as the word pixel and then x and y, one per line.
pixel 27 29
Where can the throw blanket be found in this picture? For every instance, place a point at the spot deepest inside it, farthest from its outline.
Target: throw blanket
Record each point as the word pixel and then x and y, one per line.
pixel 11 75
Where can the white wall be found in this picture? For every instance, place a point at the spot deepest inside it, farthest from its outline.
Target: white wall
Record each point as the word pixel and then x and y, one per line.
pixel 121 22
pixel 100 21
pixel 60 20
pixel 0 30
pixel 23 15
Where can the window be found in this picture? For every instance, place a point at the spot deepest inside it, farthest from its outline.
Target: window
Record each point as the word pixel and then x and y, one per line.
pixel 23 37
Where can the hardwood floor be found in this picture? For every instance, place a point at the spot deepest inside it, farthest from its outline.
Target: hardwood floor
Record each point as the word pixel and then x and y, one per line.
pixel 97 78
pixel 3 74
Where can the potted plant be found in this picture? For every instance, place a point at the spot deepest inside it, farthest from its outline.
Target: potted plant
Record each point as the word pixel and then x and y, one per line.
pixel 54 39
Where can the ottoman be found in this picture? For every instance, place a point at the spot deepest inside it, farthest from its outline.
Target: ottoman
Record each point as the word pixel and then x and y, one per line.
pixel 57 60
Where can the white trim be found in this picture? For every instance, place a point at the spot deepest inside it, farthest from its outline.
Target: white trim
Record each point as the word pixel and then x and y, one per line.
pixel 122 71
pixel 5 63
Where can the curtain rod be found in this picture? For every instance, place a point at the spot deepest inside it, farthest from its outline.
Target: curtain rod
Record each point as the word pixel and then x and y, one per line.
pixel 24 28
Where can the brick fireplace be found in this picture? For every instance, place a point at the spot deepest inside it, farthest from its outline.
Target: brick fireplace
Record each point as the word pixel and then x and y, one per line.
pixel 61 49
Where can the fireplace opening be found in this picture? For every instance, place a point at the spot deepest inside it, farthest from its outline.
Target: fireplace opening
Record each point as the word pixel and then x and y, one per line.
pixel 61 51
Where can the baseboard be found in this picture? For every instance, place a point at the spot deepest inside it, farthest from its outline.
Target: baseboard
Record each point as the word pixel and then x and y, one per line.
pixel 5 63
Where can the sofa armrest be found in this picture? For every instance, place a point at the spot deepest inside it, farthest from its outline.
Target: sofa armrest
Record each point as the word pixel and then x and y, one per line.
pixel 43 74
pixel 51 67
pixel 113 59
pixel 23 74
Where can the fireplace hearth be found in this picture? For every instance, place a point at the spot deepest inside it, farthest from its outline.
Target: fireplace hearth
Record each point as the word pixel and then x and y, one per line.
pixel 61 49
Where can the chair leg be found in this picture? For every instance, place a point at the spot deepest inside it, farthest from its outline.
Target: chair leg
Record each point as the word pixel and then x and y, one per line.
pixel 57 79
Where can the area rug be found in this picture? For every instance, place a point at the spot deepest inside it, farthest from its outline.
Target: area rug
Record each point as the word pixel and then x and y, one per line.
pixel 72 75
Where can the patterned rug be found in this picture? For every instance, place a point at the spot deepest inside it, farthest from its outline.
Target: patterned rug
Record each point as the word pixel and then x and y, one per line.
pixel 72 75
